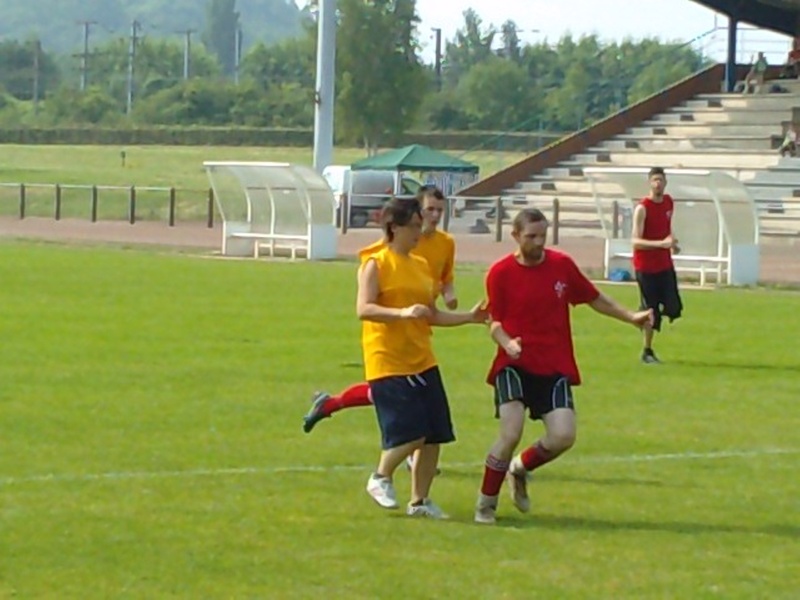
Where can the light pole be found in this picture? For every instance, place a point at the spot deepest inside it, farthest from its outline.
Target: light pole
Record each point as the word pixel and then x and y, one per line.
pixel 324 90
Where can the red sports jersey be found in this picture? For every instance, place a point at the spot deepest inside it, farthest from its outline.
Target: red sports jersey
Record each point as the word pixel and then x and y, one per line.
pixel 533 303
pixel 657 226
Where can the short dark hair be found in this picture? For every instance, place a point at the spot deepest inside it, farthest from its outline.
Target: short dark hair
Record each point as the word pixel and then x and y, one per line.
pixel 429 190
pixel 656 171
pixel 528 215
pixel 399 212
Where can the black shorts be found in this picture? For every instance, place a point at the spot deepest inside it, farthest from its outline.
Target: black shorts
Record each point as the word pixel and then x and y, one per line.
pixel 659 291
pixel 540 394
pixel 412 407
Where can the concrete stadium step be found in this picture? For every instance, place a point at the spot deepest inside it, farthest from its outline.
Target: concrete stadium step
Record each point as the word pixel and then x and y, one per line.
pixel 773 118
pixel 719 159
pixel 664 142
pixel 687 130
pixel 577 186
pixel 738 101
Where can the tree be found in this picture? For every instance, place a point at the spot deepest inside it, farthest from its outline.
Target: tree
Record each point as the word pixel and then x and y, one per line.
pixel 470 47
pixel 511 46
pixel 381 80
pixel 17 73
pixel 220 36
pixel 486 108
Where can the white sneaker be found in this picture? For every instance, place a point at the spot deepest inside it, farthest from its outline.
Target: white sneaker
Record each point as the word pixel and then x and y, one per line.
pixel 518 485
pixel 426 509
pixel 382 491
pixel 486 510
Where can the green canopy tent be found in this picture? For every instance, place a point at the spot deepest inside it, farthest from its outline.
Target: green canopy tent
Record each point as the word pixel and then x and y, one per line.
pixel 438 168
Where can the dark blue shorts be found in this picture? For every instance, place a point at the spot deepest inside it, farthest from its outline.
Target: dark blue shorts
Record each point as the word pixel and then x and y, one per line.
pixel 412 407
pixel 540 394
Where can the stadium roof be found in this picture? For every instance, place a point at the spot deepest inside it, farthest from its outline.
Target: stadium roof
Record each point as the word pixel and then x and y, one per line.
pixel 782 16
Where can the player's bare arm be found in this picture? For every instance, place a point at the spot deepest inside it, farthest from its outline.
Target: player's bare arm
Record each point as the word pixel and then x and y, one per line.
pixel 606 305
pixel 367 306
pixel 449 295
pixel 639 243
pixel 511 346
pixel 443 318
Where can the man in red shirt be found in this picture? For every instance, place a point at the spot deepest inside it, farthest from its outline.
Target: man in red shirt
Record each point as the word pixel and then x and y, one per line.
pixel 653 245
pixel 529 295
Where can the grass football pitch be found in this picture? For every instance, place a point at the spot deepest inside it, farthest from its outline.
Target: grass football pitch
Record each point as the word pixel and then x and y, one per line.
pixel 150 418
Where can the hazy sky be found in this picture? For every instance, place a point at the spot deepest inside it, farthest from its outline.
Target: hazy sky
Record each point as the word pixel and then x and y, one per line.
pixel 672 20
pixel 610 19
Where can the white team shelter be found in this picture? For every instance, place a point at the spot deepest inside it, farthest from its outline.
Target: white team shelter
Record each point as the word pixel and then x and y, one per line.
pixel 274 208
pixel 715 221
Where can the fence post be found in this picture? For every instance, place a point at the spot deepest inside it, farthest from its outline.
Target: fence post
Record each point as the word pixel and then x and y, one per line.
pixel 498 219
pixel 21 200
pixel 446 216
pixel 58 202
pixel 615 222
pixel 94 204
pixel 172 195
pixel 344 212
pixel 132 206
pixel 210 221
pixel 556 218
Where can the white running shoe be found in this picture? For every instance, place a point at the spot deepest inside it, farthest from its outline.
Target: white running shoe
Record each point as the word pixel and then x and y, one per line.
pixel 426 509
pixel 518 485
pixel 486 510
pixel 382 491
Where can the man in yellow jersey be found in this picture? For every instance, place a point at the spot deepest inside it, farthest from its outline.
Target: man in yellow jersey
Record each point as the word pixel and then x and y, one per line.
pixel 439 250
pixel 396 304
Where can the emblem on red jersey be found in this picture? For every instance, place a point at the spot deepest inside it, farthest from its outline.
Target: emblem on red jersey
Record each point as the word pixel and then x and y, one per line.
pixel 560 287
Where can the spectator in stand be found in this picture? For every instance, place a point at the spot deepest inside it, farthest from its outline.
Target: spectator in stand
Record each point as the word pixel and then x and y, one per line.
pixel 754 82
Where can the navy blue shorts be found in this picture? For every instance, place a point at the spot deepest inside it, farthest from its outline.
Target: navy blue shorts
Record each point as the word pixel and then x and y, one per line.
pixel 659 291
pixel 540 394
pixel 412 407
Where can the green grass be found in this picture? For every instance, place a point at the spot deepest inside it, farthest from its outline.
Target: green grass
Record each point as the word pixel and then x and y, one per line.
pixel 180 167
pixel 150 412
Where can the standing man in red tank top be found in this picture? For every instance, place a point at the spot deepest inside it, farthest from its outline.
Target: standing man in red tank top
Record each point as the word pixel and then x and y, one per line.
pixel 653 246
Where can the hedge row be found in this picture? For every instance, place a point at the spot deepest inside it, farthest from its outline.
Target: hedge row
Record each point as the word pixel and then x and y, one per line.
pixel 222 136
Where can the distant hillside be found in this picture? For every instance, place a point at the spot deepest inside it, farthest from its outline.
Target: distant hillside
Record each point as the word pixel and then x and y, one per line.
pixel 57 22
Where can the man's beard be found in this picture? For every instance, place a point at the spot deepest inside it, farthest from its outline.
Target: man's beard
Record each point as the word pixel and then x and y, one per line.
pixel 532 255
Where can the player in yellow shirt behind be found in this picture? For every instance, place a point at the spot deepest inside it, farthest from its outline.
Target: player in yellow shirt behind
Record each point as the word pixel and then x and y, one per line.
pixel 396 305
pixel 439 250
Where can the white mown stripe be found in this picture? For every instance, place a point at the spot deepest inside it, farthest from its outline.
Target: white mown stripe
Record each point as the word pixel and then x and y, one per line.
pixel 122 475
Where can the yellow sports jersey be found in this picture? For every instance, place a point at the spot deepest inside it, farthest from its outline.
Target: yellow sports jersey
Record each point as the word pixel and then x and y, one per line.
pixel 438 249
pixel 401 347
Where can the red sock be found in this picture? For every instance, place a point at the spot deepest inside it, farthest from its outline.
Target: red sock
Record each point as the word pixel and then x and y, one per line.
pixel 536 456
pixel 493 475
pixel 355 395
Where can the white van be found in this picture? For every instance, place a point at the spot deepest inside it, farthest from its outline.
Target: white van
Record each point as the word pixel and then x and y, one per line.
pixel 367 190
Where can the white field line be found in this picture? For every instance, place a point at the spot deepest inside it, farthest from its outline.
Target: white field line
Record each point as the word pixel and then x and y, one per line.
pixel 609 459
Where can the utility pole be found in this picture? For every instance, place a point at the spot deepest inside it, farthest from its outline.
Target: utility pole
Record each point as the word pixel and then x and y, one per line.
pixel 131 58
pixel 437 68
pixel 37 50
pixel 237 55
pixel 84 56
pixel 187 51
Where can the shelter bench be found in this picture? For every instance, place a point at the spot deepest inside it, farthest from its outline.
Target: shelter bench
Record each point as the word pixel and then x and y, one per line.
pixel 273 241
pixel 702 265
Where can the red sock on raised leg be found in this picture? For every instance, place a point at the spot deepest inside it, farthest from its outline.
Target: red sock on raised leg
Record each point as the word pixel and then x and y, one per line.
pixel 536 456
pixel 355 395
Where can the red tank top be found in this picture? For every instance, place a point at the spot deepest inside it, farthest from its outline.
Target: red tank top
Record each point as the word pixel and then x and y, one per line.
pixel 657 226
